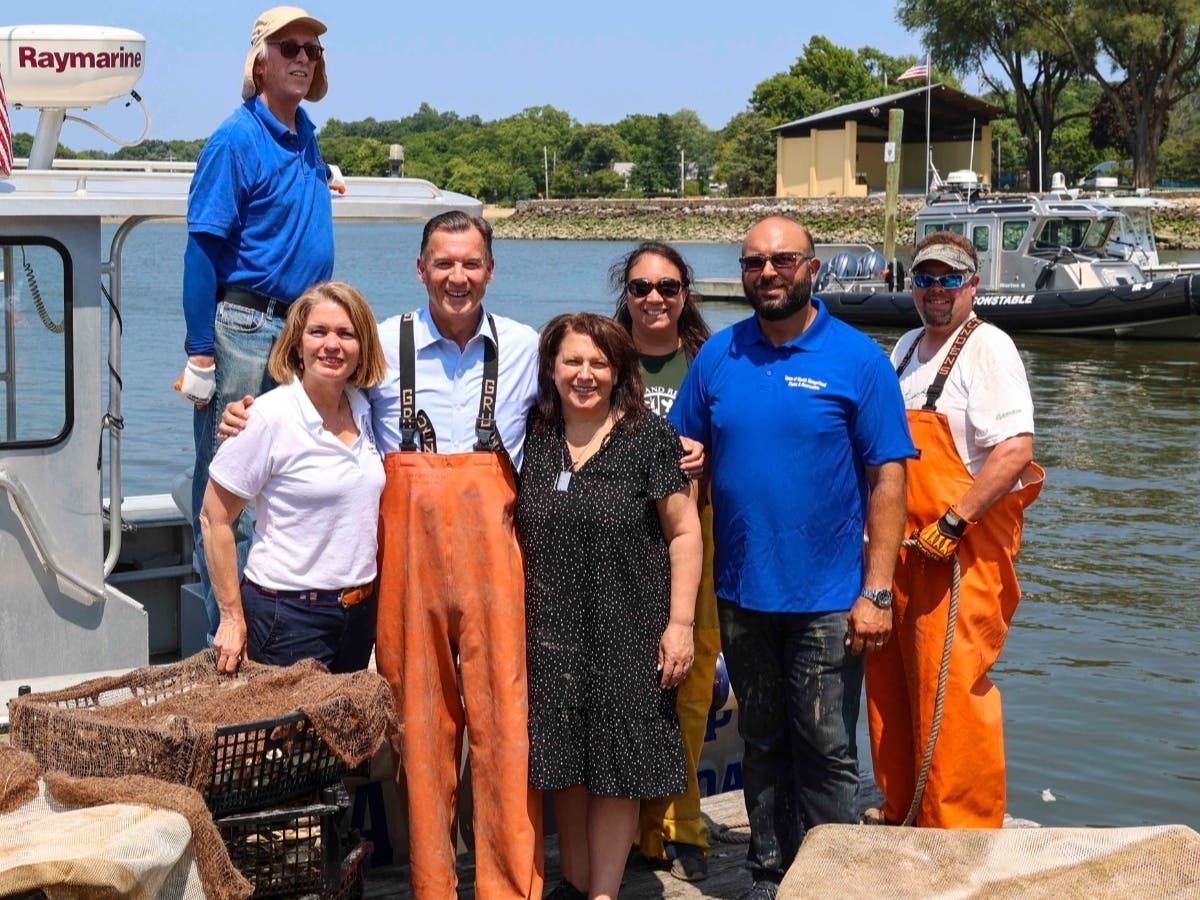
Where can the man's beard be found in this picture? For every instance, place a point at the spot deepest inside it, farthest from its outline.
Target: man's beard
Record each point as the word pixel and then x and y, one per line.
pixel 794 301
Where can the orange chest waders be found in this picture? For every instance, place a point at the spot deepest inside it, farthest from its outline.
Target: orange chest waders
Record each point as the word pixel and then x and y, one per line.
pixel 451 613
pixel 966 783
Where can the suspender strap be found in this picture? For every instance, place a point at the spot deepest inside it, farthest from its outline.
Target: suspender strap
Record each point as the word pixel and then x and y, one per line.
pixel 939 380
pixel 412 422
pixel 487 435
pixel 408 384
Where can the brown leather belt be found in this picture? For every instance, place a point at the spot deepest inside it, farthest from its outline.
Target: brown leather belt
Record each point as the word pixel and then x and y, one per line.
pixel 347 597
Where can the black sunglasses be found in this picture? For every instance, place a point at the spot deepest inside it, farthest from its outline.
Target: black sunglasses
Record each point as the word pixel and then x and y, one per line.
pixel 782 262
pixel 666 287
pixel 291 49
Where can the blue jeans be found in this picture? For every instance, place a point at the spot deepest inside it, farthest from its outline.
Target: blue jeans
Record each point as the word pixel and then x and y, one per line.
pixel 281 632
pixel 242 341
pixel 798 691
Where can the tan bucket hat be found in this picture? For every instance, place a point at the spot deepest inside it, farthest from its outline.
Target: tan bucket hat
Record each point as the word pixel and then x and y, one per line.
pixel 273 20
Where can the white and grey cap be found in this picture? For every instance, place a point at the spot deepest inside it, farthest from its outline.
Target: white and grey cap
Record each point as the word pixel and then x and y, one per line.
pixel 954 256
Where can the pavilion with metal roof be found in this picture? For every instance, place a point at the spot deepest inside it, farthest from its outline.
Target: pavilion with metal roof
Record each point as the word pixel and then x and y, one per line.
pixel 840 152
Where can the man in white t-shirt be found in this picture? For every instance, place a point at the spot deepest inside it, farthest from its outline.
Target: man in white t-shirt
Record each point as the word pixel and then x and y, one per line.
pixel 971 417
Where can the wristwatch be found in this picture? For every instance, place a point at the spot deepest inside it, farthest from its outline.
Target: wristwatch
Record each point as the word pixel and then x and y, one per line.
pixel 881 597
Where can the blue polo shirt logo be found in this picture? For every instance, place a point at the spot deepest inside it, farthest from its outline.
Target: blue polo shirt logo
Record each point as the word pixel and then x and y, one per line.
pixel 803 381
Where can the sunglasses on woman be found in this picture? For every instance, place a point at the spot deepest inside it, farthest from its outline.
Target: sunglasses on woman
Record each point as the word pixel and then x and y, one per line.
pixel 666 287
pixel 951 281
pixel 291 49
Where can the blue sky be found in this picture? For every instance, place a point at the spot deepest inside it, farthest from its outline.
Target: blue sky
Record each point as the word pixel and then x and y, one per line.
pixel 598 62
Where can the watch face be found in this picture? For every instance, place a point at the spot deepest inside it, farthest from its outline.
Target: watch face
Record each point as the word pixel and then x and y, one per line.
pixel 881 597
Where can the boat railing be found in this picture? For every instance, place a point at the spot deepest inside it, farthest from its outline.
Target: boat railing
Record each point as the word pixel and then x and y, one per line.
pixel 48 552
pixel 119 165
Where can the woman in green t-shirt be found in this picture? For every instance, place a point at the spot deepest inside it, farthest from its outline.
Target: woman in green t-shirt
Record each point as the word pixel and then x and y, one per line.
pixel 655 305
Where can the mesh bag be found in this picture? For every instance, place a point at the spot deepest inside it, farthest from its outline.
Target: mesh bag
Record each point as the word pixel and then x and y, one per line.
pixel 244 741
pixel 853 861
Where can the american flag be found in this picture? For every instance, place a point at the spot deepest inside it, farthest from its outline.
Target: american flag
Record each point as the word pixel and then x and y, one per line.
pixel 6 158
pixel 920 70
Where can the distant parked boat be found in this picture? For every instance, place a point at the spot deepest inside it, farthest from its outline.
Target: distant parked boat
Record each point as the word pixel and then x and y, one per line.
pixel 1056 263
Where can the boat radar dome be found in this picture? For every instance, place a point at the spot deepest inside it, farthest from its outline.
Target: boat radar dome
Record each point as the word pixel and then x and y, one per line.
pixel 69 66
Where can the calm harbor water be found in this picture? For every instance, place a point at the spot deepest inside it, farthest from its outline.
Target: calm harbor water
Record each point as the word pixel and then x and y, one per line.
pixel 1100 676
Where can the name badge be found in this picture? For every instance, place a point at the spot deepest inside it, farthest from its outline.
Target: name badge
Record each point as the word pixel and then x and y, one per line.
pixel 563 481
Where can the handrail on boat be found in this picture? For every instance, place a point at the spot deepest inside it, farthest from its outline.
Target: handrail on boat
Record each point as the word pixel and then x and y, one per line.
pixel 113 420
pixel 44 545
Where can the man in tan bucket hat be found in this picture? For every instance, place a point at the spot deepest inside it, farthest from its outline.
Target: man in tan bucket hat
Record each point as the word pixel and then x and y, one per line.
pixel 260 232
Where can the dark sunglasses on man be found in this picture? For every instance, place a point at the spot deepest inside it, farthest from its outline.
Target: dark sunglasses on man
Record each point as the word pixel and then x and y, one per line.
pixel 782 262
pixel 291 49
pixel 666 287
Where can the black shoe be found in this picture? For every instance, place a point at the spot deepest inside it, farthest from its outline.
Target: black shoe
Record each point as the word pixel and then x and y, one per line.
pixel 762 890
pixel 687 861
pixel 565 891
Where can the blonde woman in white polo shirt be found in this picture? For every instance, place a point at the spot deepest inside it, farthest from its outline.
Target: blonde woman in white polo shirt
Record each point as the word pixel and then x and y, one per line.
pixel 309 460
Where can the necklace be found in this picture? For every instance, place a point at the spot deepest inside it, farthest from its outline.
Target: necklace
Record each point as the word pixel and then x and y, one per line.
pixel 571 461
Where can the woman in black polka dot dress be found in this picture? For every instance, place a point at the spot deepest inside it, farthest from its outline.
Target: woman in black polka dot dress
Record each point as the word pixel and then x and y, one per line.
pixel 612 561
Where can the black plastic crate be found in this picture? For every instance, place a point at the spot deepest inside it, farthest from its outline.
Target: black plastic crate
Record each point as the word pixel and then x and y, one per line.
pixel 295 850
pixel 263 763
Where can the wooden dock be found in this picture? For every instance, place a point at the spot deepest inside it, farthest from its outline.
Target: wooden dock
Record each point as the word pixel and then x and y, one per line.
pixel 728 830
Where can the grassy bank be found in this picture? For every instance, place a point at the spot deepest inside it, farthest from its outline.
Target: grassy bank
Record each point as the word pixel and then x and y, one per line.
pixel 831 220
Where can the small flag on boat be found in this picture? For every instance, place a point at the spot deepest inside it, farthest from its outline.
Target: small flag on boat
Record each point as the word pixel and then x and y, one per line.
pixel 6 157
pixel 920 70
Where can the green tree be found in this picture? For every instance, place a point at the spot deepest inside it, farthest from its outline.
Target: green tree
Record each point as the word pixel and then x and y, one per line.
pixel 826 75
pixel 595 147
pixel 1145 56
pixel 745 156
pixel 1028 77
pixel 697 141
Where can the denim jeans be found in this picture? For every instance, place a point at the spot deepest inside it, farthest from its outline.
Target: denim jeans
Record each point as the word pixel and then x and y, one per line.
pixel 281 632
pixel 798 691
pixel 242 340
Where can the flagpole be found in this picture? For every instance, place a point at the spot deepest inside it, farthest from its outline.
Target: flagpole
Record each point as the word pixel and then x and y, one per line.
pixel 928 94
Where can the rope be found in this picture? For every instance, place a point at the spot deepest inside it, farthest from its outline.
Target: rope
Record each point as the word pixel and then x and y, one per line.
pixel 725 834
pixel 940 695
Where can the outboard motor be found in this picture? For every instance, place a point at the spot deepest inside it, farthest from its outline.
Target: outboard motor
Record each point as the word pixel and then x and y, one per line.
pixel 871 264
pixel 841 267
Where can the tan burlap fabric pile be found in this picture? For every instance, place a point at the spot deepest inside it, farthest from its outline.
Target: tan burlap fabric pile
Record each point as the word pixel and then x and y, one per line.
pixel 221 880
pixel 161 721
pixel 18 778
pixel 19 774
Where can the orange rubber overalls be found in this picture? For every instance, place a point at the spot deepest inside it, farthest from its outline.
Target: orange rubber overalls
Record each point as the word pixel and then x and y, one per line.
pixel 966 786
pixel 452 589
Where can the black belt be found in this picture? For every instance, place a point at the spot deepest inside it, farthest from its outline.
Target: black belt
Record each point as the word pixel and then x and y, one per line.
pixel 263 303
pixel 346 596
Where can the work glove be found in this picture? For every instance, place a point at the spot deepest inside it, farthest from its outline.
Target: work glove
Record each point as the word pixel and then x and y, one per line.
pixel 337 183
pixel 197 383
pixel 939 540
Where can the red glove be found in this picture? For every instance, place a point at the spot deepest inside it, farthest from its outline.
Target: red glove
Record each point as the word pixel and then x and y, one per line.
pixel 939 540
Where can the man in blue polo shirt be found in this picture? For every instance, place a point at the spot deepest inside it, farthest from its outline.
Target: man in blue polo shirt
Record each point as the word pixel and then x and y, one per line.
pixel 260 232
pixel 806 435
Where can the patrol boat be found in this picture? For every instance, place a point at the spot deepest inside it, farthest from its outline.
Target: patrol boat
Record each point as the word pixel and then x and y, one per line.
pixel 1057 263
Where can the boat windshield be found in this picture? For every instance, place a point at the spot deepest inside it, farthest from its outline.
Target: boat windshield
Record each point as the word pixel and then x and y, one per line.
pixel 1074 234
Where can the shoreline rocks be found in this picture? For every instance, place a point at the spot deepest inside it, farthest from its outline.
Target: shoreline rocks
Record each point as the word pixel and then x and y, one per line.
pixel 832 220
